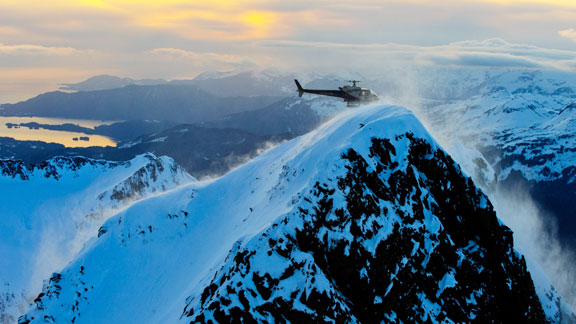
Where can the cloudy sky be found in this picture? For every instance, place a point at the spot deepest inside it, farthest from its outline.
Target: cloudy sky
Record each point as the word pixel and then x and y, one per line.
pixel 43 43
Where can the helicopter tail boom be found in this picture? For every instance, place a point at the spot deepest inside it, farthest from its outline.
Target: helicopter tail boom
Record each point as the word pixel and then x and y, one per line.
pixel 331 93
pixel 353 95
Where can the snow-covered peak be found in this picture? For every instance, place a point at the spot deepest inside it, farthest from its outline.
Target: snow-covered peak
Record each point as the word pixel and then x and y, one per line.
pixel 365 218
pixel 210 75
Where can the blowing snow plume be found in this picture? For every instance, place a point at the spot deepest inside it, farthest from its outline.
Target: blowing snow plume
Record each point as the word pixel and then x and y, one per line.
pixel 536 237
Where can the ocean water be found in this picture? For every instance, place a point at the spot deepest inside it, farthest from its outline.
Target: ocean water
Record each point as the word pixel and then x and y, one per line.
pixel 53 136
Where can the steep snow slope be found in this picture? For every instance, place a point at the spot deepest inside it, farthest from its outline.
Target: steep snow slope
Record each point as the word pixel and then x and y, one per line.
pixel 50 210
pixel 365 219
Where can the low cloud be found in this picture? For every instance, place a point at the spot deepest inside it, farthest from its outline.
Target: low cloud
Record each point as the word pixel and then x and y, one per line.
pixel 10 31
pixel 471 53
pixel 568 33
pixel 38 50
pixel 483 60
pixel 205 60
pixel 497 45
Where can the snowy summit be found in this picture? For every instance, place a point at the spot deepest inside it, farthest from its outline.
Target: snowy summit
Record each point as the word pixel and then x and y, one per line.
pixel 363 220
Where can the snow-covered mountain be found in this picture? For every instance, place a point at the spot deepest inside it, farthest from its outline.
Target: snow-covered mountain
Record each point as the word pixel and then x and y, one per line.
pixel 523 122
pixel 363 220
pixel 530 115
pixel 166 102
pixel 243 83
pixel 50 210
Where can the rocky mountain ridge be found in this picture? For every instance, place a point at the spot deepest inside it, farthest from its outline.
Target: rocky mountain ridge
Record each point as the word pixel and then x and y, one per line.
pixel 365 218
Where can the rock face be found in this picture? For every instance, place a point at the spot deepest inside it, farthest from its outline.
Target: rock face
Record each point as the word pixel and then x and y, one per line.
pixel 364 220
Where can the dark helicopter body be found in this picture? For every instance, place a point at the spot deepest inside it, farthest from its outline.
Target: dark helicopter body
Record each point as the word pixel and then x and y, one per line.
pixel 353 94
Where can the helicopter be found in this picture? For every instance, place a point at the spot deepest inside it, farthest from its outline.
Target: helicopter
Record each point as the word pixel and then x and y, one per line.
pixel 353 95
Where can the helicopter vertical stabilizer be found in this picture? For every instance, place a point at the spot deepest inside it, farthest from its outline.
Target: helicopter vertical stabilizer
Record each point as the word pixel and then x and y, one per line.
pixel 300 89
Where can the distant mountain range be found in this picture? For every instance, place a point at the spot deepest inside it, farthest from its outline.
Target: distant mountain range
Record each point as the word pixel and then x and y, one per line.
pixel 178 103
pixel 524 123
pixel 210 148
pixel 291 116
pixel 105 82
pixel 222 84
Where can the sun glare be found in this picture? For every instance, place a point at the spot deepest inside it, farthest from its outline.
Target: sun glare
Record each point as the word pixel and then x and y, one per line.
pixel 260 23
